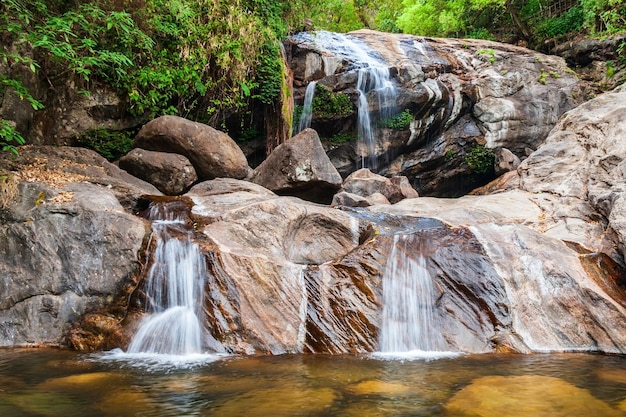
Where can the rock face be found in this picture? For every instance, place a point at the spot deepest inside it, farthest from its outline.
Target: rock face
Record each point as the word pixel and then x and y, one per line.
pixel 212 153
pixel 68 245
pixel 299 167
pixel 171 173
pixel 459 94
pixel 534 266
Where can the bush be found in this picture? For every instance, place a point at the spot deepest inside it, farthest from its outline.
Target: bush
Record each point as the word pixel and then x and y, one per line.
pixel 110 144
pixel 480 160
pixel 327 103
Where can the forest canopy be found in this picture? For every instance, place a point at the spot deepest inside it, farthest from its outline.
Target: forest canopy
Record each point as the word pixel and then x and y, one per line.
pixel 210 59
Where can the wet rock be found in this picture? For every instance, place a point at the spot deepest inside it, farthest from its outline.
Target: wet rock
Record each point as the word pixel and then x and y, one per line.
pixel 299 167
pixel 212 153
pixel 525 395
pixel 171 173
pixel 259 251
pixel 375 387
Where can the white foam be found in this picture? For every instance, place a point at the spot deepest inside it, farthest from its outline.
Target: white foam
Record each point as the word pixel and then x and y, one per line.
pixel 158 362
pixel 414 355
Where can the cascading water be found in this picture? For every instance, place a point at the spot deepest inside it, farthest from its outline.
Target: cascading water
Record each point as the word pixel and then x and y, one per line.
pixel 174 289
pixel 307 107
pixel 410 326
pixel 373 82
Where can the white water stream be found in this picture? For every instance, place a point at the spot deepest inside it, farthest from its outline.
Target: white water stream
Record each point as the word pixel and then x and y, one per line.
pixel 307 107
pixel 377 93
pixel 410 325
pixel 174 289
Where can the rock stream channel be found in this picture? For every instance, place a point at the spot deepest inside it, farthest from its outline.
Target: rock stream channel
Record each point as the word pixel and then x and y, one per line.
pixel 247 273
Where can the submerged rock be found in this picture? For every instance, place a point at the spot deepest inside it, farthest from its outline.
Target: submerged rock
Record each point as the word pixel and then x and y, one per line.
pixel 525 395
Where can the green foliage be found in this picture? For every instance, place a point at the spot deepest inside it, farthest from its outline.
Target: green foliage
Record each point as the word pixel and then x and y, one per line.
pixel 570 21
pixel 327 103
pixel 340 138
pixel 399 121
pixel 111 144
pixel 480 160
pixel 9 137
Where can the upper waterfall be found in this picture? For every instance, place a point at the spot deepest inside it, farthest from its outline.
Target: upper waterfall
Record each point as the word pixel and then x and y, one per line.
pixel 376 91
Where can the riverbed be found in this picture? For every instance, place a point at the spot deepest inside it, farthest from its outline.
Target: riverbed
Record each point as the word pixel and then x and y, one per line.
pixel 49 382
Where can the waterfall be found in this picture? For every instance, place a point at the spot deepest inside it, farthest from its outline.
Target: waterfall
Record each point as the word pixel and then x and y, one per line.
pixel 374 83
pixel 410 324
pixel 373 80
pixel 174 289
pixel 307 107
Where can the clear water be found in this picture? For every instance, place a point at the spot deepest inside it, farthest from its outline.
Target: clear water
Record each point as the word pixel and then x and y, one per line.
pixel 61 383
pixel 174 288
pixel 307 107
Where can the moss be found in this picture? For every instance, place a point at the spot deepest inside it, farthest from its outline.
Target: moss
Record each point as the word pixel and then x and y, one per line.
pixel 111 144
pixel 327 103
pixel 399 121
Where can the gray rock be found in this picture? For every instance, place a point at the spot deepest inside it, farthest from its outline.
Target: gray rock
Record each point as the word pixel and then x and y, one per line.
pixel 365 183
pixel 299 167
pixel 212 153
pixel 505 161
pixel 507 97
pixel 171 173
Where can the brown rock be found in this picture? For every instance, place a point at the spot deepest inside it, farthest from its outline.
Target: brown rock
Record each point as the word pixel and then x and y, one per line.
pixel 212 153
pixel 301 168
pixel 171 173
pixel 365 183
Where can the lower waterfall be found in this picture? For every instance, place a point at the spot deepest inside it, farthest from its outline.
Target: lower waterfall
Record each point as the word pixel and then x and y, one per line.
pixel 410 326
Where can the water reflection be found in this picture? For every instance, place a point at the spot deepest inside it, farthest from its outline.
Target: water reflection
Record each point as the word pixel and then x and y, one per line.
pixel 60 383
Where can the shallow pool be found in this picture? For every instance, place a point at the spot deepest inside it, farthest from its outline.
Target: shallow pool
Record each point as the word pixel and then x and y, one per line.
pixel 46 382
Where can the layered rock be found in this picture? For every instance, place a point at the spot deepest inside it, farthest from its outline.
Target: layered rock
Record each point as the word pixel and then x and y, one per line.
pixel 460 94
pixel 212 153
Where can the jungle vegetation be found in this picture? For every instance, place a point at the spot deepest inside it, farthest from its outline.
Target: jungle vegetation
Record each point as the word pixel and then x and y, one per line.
pixel 208 60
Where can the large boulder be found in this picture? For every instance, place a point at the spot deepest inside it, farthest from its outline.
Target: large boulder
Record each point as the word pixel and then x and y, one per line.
pixel 171 173
pixel 260 248
pixel 212 153
pixel 69 246
pixel 299 167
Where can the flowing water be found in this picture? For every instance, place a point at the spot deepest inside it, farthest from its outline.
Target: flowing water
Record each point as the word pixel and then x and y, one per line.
pixel 307 107
pixel 409 322
pixel 60 383
pixel 377 92
pixel 174 290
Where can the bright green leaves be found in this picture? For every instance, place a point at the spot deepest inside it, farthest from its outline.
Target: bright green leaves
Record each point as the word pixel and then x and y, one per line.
pixel 9 137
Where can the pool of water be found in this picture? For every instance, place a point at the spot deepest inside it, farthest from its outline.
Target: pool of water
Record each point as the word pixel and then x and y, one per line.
pixel 46 382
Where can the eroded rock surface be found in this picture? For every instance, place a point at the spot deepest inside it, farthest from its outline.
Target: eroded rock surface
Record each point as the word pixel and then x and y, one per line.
pixel 460 93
